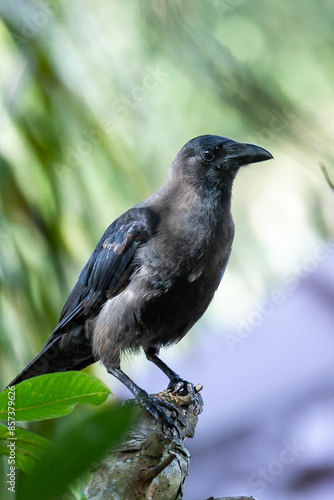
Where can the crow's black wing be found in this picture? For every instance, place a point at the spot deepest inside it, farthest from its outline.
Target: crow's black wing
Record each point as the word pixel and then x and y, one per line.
pixel 108 270
pixel 106 273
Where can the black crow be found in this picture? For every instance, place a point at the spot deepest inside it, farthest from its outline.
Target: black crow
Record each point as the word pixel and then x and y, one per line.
pixel 154 271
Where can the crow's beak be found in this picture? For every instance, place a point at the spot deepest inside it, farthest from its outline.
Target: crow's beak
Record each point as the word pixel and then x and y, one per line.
pixel 242 154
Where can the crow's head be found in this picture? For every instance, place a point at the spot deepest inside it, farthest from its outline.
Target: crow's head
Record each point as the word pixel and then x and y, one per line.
pixel 213 161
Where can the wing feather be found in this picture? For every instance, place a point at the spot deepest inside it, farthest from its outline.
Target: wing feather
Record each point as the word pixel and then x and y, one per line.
pixel 108 270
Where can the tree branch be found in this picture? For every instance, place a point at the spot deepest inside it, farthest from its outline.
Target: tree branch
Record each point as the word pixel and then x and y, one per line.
pixel 151 462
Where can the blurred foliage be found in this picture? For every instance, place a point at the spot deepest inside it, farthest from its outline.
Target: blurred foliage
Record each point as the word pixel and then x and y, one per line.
pixel 71 456
pixel 98 97
pixel 27 449
pixel 53 469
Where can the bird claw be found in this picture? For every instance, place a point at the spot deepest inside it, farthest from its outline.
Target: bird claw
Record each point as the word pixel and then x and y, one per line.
pixel 155 407
pixel 180 386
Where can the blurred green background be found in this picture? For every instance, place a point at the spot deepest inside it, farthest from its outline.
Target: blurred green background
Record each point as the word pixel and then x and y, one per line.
pixel 97 99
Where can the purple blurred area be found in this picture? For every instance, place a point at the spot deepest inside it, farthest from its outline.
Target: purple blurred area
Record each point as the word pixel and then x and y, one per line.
pixel 267 429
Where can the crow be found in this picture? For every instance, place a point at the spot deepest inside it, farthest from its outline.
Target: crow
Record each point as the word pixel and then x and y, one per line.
pixel 154 271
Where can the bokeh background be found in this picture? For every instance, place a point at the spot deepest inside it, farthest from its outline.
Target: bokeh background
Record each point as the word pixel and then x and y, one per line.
pixel 97 99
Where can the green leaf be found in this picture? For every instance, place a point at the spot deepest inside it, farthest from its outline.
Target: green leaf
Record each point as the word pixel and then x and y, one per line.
pixel 52 395
pixel 74 453
pixel 28 447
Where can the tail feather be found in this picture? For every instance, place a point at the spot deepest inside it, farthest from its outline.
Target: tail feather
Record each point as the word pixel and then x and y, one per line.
pixel 53 358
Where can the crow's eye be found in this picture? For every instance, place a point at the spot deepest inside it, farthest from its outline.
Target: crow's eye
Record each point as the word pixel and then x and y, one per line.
pixel 208 155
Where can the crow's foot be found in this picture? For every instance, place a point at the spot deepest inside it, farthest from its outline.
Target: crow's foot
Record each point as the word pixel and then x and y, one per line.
pixel 156 408
pixel 180 386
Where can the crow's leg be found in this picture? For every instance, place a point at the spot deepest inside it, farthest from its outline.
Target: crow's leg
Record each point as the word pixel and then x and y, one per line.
pixel 177 383
pixel 153 405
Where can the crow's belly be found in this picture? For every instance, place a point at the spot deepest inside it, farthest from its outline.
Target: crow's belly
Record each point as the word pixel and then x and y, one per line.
pixel 168 317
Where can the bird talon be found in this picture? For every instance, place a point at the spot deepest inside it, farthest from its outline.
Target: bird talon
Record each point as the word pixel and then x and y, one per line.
pixel 180 386
pixel 154 406
pixel 167 405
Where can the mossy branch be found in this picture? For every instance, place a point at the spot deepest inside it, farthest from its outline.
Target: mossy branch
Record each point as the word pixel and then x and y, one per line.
pixel 151 462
